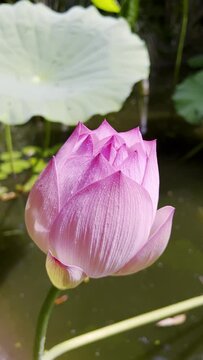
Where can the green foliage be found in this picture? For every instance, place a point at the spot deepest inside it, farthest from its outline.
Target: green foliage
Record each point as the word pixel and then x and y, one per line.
pixel 3 176
pixel 28 184
pixel 5 156
pixel 129 11
pixel 107 5
pixel 18 164
pixel 38 165
pixel 31 150
pixel 51 151
pixel 188 98
pixel 196 62
pixel 30 158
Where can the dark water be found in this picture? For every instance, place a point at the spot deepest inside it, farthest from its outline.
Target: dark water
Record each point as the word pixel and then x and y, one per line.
pixel 176 276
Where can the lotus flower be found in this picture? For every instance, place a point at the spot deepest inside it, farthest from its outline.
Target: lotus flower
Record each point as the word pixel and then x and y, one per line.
pixel 65 66
pixel 93 210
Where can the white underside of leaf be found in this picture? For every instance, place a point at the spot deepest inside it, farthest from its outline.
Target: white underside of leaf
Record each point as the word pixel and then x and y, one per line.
pixel 65 67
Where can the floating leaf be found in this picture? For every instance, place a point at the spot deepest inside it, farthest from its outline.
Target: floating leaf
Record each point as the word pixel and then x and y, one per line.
pixel 196 61
pixel 65 66
pixel 28 185
pixel 107 5
pixel 3 175
pixel 31 150
pixel 39 166
pixel 19 166
pixel 188 98
pixel 5 156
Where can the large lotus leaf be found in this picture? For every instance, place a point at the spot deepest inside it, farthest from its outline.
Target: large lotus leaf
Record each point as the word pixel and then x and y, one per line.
pixel 188 98
pixel 65 67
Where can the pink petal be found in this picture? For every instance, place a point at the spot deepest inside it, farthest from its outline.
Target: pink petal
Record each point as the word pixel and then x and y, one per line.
pixel 132 137
pixel 63 276
pixel 121 155
pixel 151 177
pixel 155 246
pixel 103 226
pixel 98 169
pixel 104 130
pixel 115 140
pixel 148 146
pixel 43 205
pixel 68 147
pixel 70 174
pixel 86 147
pixel 134 166
pixel 109 152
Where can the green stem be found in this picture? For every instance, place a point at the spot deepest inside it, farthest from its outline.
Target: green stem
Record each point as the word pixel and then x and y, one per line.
pixel 130 10
pixel 9 145
pixel 122 326
pixel 47 139
pixel 181 40
pixel 42 323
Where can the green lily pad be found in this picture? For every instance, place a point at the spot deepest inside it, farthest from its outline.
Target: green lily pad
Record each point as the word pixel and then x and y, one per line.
pixel 38 166
pixel 3 176
pixel 107 5
pixel 28 185
pixel 19 166
pixel 67 66
pixel 5 156
pixel 30 150
pixel 188 98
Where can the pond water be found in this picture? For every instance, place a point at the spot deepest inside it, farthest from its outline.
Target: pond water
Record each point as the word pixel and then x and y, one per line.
pixel 176 276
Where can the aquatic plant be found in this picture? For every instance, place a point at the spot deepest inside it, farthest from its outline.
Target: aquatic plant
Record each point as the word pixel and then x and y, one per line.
pixel 98 215
pixel 188 98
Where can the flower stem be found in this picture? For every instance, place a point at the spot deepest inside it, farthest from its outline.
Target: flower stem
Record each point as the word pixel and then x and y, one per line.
pixel 42 323
pixel 9 145
pixel 181 40
pixel 122 326
pixel 130 11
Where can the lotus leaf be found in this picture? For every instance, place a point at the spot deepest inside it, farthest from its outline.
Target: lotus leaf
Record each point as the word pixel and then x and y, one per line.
pixel 67 66
pixel 189 100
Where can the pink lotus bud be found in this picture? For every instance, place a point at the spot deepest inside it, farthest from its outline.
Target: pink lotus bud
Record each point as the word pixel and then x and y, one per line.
pixel 93 210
